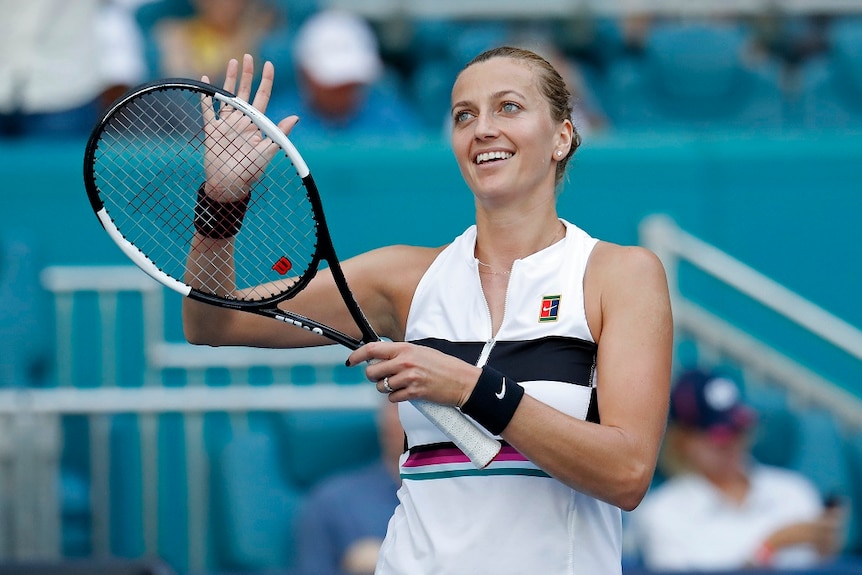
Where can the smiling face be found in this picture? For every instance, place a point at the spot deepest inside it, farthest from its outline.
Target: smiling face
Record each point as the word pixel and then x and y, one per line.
pixel 503 134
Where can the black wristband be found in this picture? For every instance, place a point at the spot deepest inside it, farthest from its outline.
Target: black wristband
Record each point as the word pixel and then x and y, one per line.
pixel 218 220
pixel 494 400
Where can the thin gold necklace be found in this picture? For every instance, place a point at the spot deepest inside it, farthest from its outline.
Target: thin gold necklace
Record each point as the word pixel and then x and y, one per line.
pixel 490 271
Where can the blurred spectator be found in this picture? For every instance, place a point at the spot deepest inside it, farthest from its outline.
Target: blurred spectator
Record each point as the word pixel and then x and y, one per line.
pixel 720 509
pixel 794 38
pixel 218 30
pixel 634 30
pixel 343 522
pixel 121 48
pixel 587 112
pixel 341 90
pixel 63 62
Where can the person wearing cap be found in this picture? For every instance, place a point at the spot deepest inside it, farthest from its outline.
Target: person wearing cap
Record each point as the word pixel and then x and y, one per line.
pixel 720 509
pixel 340 90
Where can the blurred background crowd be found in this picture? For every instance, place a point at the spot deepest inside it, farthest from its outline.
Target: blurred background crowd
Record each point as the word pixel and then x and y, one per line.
pixel 742 119
pixel 742 65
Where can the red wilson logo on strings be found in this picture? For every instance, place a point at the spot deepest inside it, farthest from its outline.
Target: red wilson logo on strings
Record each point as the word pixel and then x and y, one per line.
pixel 282 266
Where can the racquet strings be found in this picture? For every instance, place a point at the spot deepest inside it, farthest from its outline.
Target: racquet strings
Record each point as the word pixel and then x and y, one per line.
pixel 148 166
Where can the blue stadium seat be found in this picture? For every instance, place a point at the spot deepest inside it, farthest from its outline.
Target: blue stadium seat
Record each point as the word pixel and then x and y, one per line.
pixel 432 38
pixel 319 443
pixel 254 506
pixel 854 498
pixel 440 48
pixel 75 514
pixel 430 88
pixel 277 47
pixel 295 12
pixel 456 41
pixel 148 13
pixel 685 353
pixel 820 455
pixel 597 40
pixel 24 322
pixel 126 483
pixel 694 77
pixel 777 436
pixel 830 93
pixel 476 37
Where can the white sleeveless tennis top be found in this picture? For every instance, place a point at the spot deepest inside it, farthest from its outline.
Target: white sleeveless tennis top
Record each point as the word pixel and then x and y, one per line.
pixel 511 517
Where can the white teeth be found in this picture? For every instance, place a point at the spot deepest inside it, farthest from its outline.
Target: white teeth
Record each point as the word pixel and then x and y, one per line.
pixel 488 156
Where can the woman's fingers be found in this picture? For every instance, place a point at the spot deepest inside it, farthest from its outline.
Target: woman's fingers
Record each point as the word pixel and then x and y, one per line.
pixel 287 124
pixel 207 105
pixel 230 75
pixel 246 78
pixel 264 90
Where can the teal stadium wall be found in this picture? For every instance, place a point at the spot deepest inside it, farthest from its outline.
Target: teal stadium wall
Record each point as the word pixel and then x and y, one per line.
pixel 788 206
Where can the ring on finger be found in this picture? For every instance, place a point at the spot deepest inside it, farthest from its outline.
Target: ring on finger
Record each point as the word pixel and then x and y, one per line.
pixel 386 385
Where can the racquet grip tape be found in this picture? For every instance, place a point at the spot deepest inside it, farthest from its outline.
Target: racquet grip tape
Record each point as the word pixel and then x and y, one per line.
pixel 494 400
pixel 468 436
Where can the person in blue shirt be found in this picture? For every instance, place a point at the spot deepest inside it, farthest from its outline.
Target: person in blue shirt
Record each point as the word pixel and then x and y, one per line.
pixel 341 91
pixel 343 521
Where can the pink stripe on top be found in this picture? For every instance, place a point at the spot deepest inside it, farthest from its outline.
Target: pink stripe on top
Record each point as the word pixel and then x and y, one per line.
pixel 454 455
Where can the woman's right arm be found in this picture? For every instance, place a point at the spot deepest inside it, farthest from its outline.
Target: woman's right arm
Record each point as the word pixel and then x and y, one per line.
pixel 381 280
pixel 210 267
pixel 230 170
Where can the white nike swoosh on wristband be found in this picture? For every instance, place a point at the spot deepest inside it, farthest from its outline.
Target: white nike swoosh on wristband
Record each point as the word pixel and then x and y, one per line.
pixel 502 393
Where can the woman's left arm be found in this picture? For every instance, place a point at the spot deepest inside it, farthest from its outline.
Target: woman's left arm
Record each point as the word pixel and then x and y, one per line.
pixel 628 309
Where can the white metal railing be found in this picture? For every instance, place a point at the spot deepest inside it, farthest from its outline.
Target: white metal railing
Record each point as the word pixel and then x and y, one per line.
pixel 29 419
pixel 186 400
pixel 672 245
pixel 30 431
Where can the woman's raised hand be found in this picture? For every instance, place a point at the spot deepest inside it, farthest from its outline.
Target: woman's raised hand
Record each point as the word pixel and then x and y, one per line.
pixel 236 152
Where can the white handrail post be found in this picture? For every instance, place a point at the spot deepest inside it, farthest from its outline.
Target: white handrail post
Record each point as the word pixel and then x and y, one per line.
pixel 671 244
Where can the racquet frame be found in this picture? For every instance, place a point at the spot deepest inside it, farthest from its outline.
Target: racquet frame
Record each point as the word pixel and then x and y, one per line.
pixel 477 444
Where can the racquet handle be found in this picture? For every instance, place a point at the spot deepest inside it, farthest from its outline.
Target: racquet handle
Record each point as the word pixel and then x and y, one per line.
pixel 480 447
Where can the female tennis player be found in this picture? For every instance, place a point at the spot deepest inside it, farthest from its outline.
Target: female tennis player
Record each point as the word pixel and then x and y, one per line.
pixel 554 341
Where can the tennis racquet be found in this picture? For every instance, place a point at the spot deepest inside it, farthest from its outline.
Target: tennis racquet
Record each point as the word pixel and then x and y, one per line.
pixel 158 144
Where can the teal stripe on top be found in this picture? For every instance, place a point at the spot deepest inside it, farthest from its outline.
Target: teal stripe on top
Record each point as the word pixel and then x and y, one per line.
pixel 422 476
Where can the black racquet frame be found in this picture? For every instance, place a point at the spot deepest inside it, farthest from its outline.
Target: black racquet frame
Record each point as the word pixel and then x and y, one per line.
pixel 476 443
